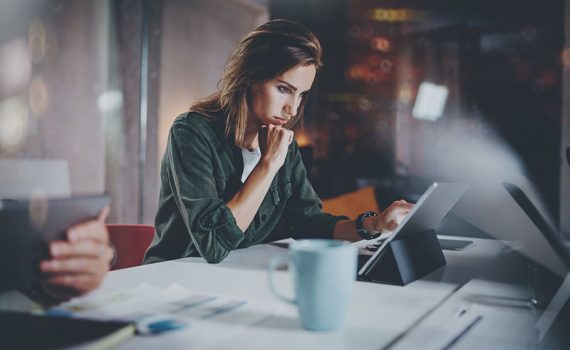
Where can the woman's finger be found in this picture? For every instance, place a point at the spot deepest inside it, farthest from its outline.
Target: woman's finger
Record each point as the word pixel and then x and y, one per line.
pixel 79 283
pixel 406 206
pixel 93 230
pixel 104 214
pixel 87 248
pixel 289 135
pixel 75 265
pixel 403 203
pixel 286 135
pixel 400 207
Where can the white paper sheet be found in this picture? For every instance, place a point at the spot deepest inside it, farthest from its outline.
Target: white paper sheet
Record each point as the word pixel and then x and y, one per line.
pixel 208 318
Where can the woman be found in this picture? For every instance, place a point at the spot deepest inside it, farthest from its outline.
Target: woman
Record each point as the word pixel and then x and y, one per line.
pixel 232 174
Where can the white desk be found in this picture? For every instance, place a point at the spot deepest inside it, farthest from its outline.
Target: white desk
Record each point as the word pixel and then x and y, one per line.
pixel 506 321
pixel 378 314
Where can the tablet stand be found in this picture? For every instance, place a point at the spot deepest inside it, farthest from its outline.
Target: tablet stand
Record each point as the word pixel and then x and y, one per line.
pixel 406 260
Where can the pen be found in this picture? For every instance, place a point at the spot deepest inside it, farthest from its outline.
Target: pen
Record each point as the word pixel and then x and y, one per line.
pixel 456 338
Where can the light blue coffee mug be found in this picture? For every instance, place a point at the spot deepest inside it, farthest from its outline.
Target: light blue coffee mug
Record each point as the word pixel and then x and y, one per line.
pixel 323 275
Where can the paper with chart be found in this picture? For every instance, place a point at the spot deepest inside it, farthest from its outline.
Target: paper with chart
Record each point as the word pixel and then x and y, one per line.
pixel 208 318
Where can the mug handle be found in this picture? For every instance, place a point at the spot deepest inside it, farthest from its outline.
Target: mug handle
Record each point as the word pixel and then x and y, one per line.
pixel 273 265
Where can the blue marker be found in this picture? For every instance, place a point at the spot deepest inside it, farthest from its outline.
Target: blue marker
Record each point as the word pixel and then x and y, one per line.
pixel 166 325
pixel 160 324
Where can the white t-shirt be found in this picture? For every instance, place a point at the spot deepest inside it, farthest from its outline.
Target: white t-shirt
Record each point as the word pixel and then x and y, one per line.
pixel 250 160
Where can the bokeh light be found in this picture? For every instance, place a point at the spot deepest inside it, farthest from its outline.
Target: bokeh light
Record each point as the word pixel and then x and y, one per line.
pixel 380 44
pixel 386 65
pixel 37 40
pixel 405 94
pixel 38 96
pixel 13 124
pixel 364 104
pixel 15 66
pixel 430 101
pixel 397 15
pixel 302 138
pixel 110 100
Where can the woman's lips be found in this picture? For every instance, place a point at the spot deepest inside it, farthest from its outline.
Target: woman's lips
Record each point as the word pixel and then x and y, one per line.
pixel 281 121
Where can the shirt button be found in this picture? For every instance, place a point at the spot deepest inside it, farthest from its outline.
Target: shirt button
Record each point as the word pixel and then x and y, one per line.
pixel 263 217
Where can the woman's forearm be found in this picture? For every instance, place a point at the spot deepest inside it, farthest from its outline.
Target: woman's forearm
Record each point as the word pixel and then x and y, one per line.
pixel 346 230
pixel 246 202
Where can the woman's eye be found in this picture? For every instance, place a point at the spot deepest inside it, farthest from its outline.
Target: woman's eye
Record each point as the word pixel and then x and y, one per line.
pixel 283 89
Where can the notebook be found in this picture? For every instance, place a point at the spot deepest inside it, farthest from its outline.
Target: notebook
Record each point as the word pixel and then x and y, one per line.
pixel 29 331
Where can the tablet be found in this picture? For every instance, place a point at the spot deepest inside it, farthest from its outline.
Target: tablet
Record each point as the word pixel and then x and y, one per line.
pixel 27 226
pixel 432 206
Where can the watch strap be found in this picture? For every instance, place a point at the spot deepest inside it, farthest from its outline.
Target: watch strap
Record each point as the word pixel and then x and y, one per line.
pixel 362 232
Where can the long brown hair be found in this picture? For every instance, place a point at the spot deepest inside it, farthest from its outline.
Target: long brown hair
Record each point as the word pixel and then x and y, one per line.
pixel 265 53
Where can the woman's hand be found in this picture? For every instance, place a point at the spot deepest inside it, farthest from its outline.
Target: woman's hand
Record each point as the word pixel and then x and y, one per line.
pixel 390 218
pixel 274 142
pixel 79 263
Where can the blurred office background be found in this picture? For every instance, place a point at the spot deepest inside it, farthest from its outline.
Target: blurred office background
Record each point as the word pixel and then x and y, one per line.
pixel 411 92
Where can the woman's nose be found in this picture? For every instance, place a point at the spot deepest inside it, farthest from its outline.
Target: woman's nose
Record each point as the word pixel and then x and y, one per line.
pixel 292 105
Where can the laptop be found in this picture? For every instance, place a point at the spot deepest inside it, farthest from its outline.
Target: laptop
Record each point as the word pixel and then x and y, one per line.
pixel 27 226
pixel 547 249
pixel 432 206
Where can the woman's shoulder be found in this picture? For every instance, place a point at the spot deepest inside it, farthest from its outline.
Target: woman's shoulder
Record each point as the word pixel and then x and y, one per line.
pixel 196 121
pixel 198 124
pixel 192 118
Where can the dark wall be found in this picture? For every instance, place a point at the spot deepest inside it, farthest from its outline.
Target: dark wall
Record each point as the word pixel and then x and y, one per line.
pixel 501 62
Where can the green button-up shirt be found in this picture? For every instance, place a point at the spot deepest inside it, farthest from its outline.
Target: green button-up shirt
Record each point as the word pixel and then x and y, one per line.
pixel 201 171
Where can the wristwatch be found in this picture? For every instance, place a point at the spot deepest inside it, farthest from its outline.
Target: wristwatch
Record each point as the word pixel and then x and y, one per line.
pixel 360 227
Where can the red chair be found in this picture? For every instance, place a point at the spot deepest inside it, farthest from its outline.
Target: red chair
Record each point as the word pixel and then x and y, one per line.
pixel 131 242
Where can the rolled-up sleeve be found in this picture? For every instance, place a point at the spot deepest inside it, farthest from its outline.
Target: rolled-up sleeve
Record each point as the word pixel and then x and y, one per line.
pixel 304 213
pixel 209 222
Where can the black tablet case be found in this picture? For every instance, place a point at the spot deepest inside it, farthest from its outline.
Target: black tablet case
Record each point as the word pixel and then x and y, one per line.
pixel 26 228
